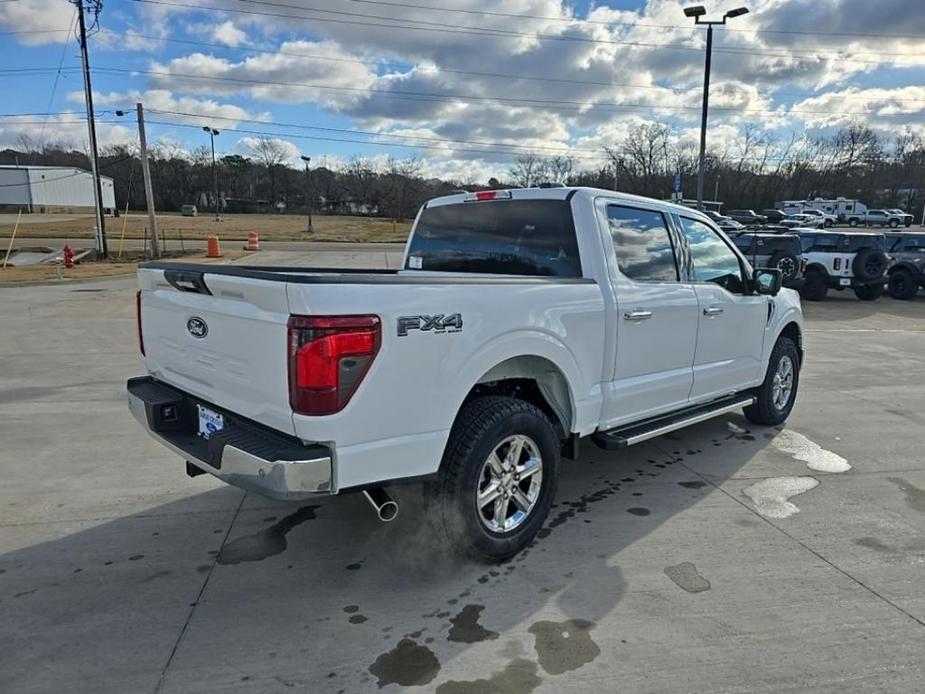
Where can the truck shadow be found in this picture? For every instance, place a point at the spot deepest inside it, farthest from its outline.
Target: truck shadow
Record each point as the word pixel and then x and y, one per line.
pixel 240 592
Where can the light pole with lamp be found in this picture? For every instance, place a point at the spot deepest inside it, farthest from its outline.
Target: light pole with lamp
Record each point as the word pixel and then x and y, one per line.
pixel 212 133
pixel 697 12
pixel 308 193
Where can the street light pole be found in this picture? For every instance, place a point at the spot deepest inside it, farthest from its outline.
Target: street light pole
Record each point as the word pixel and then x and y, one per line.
pixel 308 193
pixel 697 12
pixel 212 133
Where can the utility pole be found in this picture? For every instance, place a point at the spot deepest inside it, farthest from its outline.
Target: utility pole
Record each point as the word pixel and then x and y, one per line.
pixel 698 12
pixel 212 133
pixel 149 190
pixel 308 193
pixel 101 245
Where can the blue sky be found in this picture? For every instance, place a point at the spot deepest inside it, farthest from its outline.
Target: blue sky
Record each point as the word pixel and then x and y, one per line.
pixel 466 84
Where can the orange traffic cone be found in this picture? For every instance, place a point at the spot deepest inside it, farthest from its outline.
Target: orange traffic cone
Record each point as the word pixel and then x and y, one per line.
pixel 213 249
pixel 253 241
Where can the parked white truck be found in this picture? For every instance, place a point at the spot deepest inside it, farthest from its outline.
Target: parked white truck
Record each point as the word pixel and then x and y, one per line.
pixel 520 322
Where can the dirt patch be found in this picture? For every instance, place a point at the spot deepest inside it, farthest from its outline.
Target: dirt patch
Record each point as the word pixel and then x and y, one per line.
pixel 271 227
pixel 92 269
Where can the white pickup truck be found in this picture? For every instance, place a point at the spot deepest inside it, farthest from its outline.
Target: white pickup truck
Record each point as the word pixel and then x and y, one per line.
pixel 521 321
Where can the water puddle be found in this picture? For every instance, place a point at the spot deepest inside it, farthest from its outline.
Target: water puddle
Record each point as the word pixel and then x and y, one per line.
pixel 564 646
pixel 915 497
pixel 466 627
pixel 686 577
pixel 815 456
pixel 409 664
pixel 518 677
pixel 771 496
pixel 267 542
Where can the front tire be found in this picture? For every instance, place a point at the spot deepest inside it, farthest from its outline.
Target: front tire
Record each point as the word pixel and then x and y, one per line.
pixel 775 397
pixel 497 479
pixel 902 285
pixel 869 292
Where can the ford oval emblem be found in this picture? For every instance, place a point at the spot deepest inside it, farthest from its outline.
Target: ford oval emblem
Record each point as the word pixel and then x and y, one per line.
pixel 197 327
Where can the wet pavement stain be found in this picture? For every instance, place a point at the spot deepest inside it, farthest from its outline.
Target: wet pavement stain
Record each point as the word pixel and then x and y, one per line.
pixel 638 511
pixel 466 627
pixel 915 497
pixel 267 542
pixel 564 646
pixel 350 609
pixel 686 577
pixel 518 677
pixel 692 485
pixel 357 619
pixel 872 543
pixel 354 567
pixel 409 664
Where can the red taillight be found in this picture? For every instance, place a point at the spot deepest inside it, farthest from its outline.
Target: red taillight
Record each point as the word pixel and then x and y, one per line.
pixel 328 358
pixel 141 339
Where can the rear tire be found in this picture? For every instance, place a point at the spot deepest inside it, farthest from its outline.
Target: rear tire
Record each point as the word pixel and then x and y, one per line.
pixel 852 222
pixel 814 286
pixel 479 460
pixel 775 397
pixel 869 292
pixel 902 285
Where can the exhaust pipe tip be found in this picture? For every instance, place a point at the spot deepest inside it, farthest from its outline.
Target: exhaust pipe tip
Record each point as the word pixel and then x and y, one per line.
pixel 385 506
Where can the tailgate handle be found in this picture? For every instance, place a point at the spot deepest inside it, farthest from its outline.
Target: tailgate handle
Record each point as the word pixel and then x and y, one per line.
pixel 187 281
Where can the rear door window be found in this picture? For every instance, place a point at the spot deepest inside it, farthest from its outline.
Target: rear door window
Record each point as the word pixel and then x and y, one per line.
pixel 642 244
pixel 505 237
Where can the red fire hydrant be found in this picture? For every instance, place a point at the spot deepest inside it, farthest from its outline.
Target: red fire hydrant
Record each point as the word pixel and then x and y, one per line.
pixel 68 257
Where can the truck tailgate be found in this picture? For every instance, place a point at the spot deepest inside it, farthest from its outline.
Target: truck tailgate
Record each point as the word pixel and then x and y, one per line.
pixel 227 347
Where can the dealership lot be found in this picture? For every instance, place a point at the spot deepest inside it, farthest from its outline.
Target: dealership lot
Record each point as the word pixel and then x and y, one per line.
pixel 680 565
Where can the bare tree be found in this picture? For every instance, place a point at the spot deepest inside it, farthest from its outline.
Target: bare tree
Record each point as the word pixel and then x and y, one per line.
pixel 529 170
pixel 270 153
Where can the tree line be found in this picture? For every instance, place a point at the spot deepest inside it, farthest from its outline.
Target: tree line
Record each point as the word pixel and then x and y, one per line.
pixel 756 171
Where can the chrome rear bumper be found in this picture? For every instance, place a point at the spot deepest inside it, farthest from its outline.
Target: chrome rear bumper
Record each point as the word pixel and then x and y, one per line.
pixel 259 461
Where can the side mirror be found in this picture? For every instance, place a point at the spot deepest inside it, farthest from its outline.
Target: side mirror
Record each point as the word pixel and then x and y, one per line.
pixel 767 281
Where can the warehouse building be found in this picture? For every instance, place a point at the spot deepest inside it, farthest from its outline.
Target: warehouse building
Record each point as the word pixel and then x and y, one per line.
pixel 41 189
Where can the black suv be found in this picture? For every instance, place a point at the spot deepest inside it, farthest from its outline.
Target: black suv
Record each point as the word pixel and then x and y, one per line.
pixel 774 216
pixel 843 260
pixel 773 250
pixel 746 217
pixel 907 273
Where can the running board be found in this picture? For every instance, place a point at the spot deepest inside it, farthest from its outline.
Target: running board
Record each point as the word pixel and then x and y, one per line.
pixel 622 437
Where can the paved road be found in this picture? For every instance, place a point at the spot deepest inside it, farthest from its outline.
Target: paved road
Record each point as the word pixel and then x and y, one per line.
pixel 673 567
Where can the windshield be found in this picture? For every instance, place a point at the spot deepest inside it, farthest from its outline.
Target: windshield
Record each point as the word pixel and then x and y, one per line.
pixel 506 237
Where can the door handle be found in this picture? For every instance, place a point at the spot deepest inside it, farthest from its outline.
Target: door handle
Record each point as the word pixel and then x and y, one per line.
pixel 637 315
pixel 712 311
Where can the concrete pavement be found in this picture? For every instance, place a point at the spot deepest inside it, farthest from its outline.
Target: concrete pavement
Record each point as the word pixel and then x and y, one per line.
pixel 684 564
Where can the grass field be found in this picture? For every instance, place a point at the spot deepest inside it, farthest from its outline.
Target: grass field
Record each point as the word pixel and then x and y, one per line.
pixel 232 227
pixel 94 269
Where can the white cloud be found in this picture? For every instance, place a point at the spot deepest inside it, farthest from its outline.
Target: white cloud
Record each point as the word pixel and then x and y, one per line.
pixel 182 109
pixel 228 34
pixel 38 20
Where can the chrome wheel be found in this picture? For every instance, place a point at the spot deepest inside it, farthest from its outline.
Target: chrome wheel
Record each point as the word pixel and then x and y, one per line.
pixel 509 484
pixel 782 387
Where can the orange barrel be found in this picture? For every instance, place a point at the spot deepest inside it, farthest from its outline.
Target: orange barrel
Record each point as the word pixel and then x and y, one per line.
pixel 253 242
pixel 213 249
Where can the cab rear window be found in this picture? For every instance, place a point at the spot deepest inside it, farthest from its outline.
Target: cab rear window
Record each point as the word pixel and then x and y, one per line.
pixel 505 237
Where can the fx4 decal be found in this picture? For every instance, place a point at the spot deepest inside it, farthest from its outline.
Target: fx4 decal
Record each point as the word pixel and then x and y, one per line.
pixel 438 323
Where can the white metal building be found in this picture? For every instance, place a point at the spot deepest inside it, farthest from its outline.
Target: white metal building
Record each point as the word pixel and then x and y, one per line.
pixel 52 189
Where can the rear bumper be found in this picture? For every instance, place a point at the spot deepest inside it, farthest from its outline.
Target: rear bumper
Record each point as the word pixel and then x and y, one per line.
pixel 244 454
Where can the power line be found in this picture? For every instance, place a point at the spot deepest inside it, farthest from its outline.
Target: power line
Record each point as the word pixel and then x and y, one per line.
pixel 441 27
pixel 54 86
pixel 355 141
pixel 525 102
pixel 563 149
pixel 440 69
pixel 604 22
